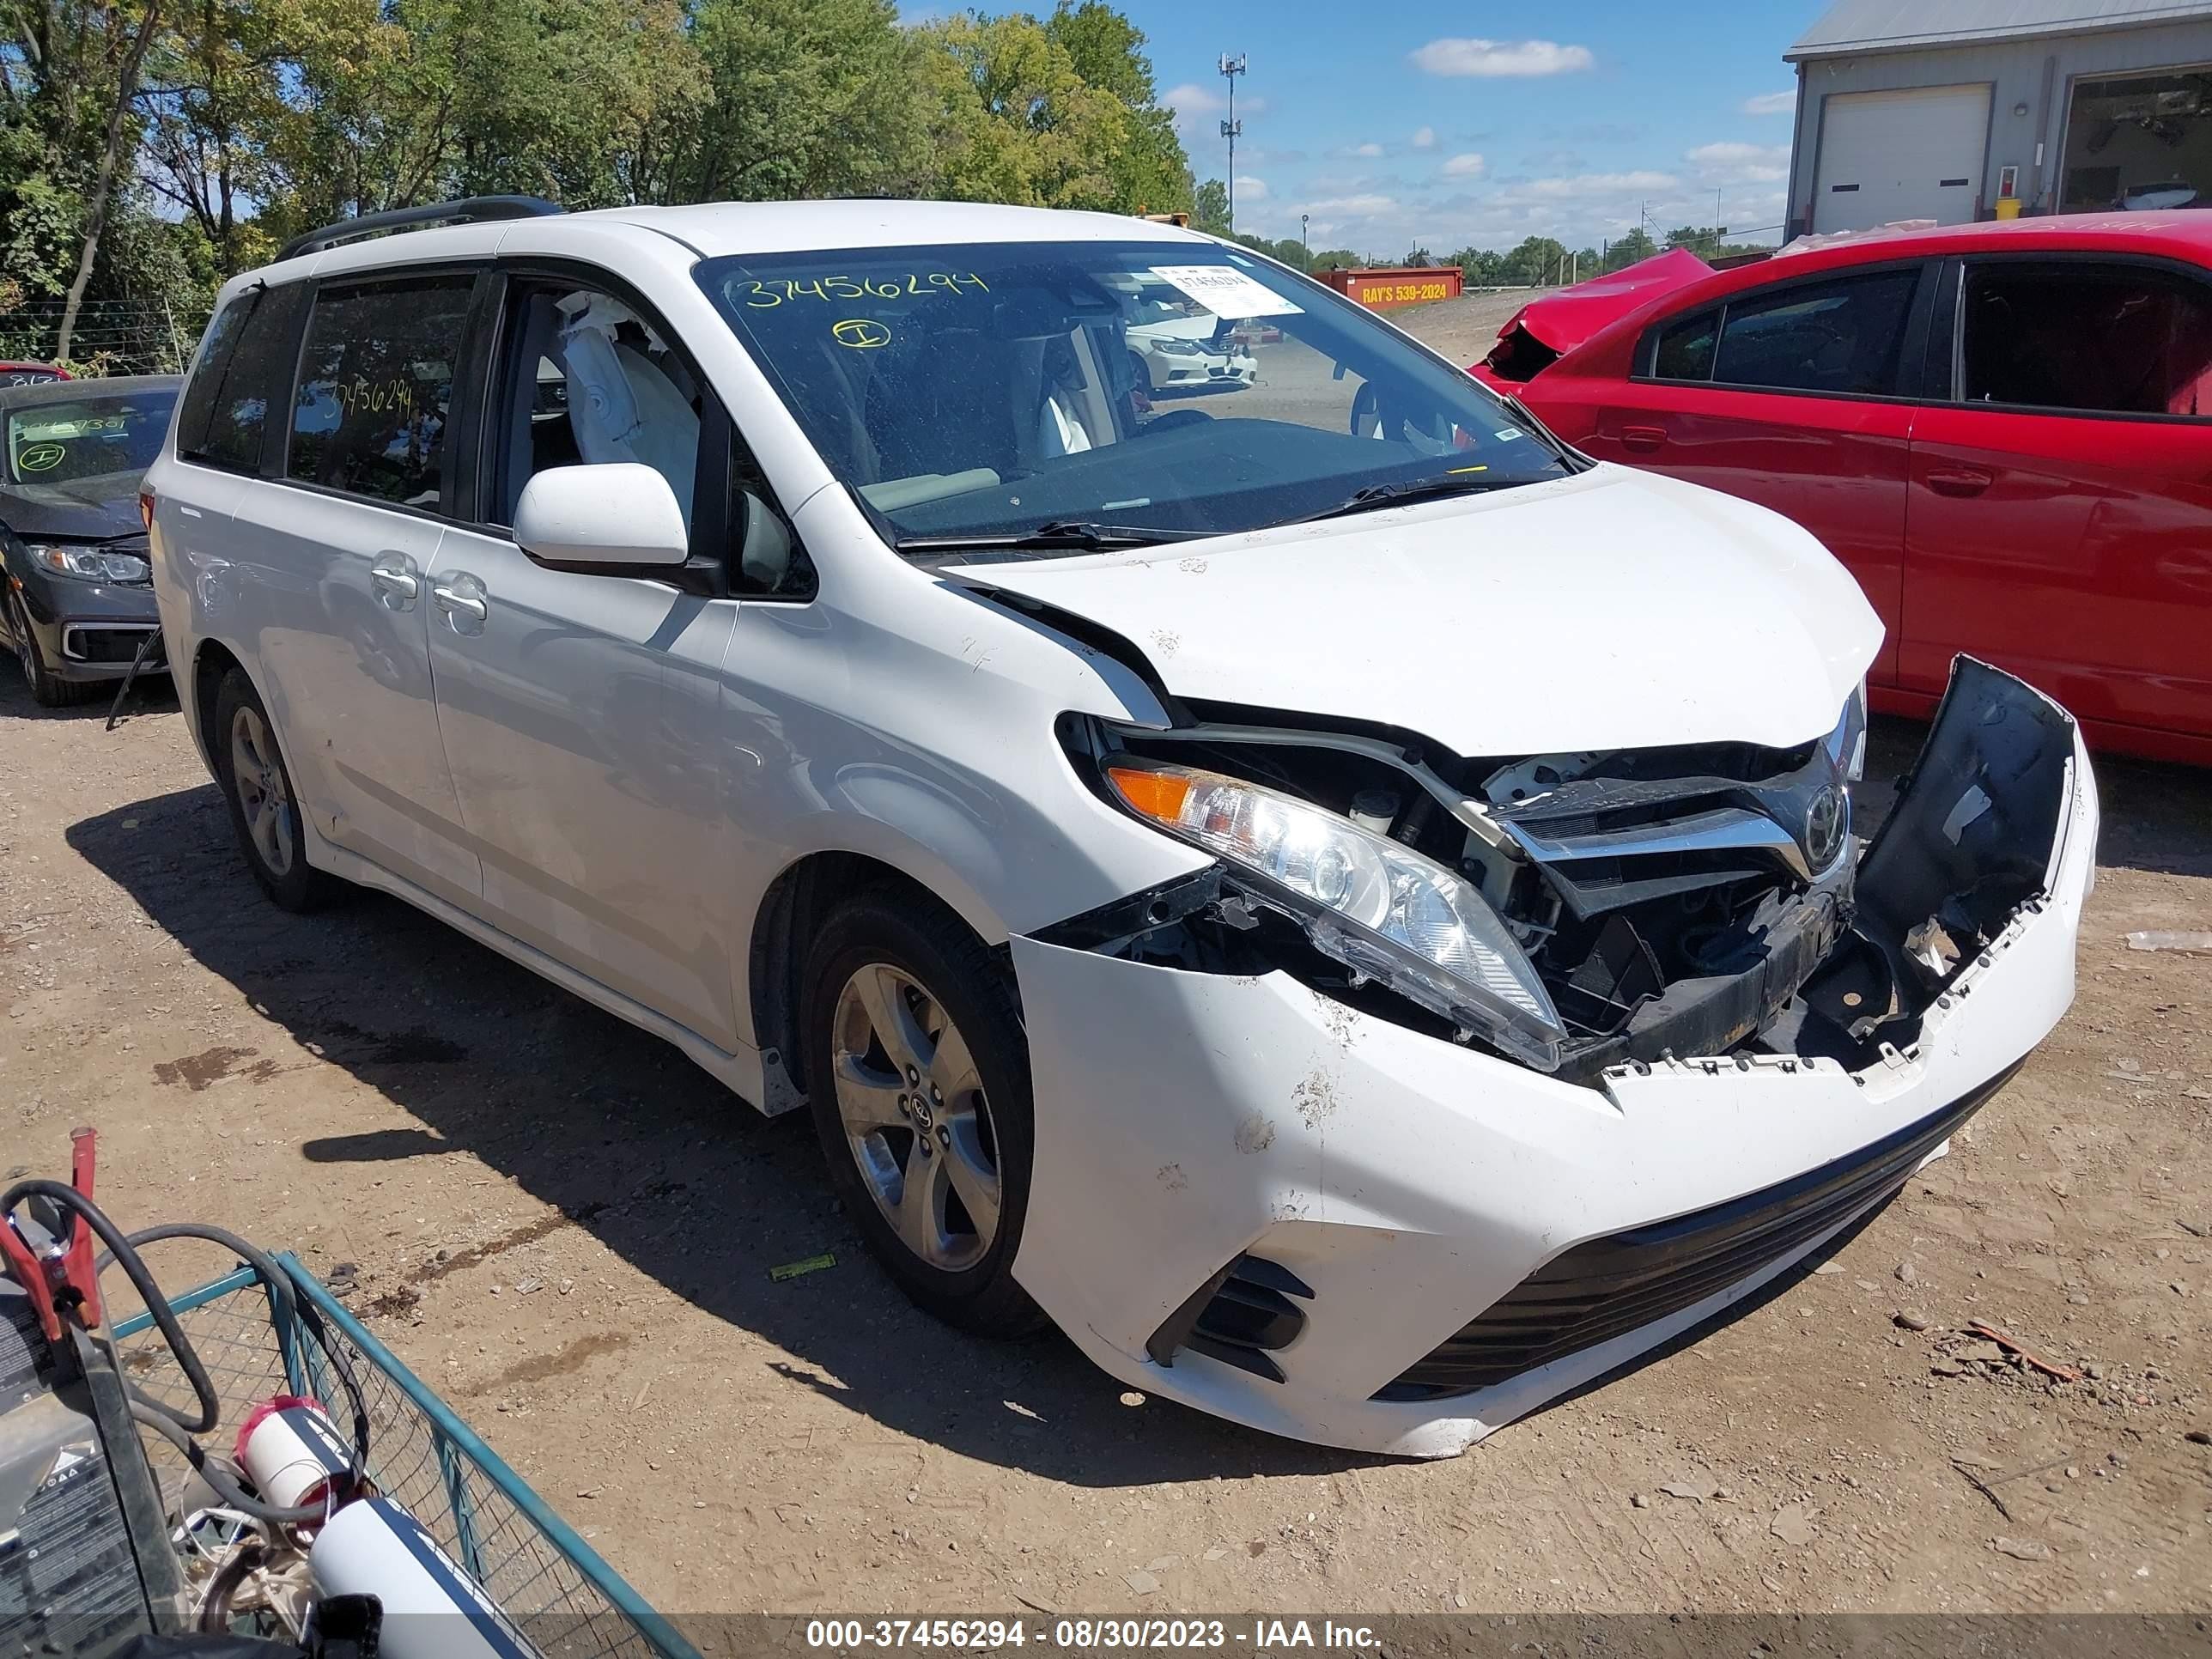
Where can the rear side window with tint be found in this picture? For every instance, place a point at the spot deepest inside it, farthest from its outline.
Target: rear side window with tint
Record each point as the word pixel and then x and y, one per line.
pixel 243 371
pixel 376 379
pixel 2096 339
pixel 1843 336
pixel 1686 348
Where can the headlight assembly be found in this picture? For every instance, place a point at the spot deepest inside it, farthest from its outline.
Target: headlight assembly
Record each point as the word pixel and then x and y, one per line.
pixel 90 564
pixel 1363 899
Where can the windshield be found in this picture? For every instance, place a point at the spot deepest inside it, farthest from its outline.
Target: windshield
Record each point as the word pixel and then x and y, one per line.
pixel 63 442
pixel 1149 390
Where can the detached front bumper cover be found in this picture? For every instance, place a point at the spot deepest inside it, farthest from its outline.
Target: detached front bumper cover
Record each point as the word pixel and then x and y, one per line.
pixel 1379 1205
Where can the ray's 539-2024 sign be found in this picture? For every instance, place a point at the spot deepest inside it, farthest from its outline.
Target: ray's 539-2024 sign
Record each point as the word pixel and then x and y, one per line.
pixel 1397 285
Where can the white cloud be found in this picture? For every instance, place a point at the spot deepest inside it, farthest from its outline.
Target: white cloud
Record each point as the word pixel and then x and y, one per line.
pixel 1198 107
pixel 1250 190
pixel 1581 184
pixel 1492 58
pixel 1740 163
pixel 1366 205
pixel 1365 152
pixel 1772 103
pixel 1425 138
pixel 1469 166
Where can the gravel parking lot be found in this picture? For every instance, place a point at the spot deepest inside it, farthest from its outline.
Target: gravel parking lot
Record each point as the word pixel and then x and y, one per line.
pixel 568 1229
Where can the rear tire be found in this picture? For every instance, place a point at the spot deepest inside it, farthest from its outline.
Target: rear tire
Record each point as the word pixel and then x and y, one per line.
pixel 264 811
pixel 919 1079
pixel 48 690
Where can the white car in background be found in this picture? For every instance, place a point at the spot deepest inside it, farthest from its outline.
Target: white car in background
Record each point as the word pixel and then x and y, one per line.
pixel 1176 346
pixel 1364 930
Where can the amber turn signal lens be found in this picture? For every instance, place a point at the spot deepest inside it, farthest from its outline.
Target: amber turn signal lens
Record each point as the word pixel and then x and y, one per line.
pixel 1156 794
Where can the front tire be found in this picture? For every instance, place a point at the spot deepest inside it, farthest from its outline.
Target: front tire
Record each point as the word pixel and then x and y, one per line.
pixel 48 689
pixel 264 809
pixel 919 1079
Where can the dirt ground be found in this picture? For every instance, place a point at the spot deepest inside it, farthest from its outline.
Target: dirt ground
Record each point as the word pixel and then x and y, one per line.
pixel 568 1230
pixel 1463 329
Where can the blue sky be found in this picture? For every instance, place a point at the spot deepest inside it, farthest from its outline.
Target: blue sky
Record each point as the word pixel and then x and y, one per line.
pixel 1452 122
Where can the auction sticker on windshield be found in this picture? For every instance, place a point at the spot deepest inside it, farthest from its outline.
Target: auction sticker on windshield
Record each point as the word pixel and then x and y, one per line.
pixel 1226 291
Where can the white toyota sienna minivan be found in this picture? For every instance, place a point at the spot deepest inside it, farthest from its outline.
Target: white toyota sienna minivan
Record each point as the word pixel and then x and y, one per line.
pixel 1349 908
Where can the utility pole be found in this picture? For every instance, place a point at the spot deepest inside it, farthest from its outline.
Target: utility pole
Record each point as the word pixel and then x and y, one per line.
pixel 1306 244
pixel 1232 129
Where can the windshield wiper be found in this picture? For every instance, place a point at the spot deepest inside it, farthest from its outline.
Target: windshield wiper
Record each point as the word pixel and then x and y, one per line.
pixel 1075 533
pixel 1409 489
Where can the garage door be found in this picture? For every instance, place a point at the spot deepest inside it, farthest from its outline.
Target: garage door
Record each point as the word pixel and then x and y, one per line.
pixel 1889 155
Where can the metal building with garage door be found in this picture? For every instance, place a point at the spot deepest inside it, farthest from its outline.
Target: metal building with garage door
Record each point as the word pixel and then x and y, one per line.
pixel 1975 109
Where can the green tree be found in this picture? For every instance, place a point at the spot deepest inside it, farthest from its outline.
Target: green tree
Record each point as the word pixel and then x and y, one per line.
pixel 1010 119
pixel 806 98
pixel 1536 262
pixel 1210 207
pixel 1338 258
pixel 1635 245
pixel 1150 171
pixel 1287 251
pixel 1480 267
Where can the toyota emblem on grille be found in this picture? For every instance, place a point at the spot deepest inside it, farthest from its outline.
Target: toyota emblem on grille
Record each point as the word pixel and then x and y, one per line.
pixel 1825 822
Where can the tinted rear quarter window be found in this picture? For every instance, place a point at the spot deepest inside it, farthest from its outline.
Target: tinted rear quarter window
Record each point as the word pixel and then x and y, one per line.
pixel 2096 339
pixel 1843 336
pixel 243 370
pixel 376 379
pixel 1686 348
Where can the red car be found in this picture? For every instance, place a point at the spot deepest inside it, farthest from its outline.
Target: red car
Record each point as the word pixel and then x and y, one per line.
pixel 2004 430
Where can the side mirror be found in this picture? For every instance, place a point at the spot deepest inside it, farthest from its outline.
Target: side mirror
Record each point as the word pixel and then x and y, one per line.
pixel 763 545
pixel 611 512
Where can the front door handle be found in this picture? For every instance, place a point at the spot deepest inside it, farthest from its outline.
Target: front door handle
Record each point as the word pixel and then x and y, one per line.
pixel 461 597
pixel 1959 481
pixel 1643 439
pixel 393 580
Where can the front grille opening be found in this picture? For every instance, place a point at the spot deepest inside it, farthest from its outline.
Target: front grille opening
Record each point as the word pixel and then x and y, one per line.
pixel 1241 1316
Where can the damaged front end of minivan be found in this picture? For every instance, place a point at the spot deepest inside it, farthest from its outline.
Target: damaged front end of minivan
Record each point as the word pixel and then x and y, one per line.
pixel 1579 911
pixel 1452 1082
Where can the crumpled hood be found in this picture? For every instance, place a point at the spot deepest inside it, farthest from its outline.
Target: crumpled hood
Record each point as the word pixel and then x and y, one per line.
pixel 83 509
pixel 1563 319
pixel 1612 609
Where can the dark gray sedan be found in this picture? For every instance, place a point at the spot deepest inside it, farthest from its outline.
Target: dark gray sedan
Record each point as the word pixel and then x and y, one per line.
pixel 78 601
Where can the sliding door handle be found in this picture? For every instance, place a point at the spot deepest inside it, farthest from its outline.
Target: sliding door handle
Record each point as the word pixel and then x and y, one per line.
pixel 461 597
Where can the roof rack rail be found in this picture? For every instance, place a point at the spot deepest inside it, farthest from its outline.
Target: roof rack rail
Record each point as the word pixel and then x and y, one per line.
pixel 470 210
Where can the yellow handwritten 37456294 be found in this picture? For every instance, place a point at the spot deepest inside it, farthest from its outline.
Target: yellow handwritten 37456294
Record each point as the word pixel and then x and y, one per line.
pixel 764 295
pixel 361 396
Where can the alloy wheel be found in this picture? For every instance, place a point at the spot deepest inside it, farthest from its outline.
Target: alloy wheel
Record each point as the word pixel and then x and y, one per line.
pixel 19 624
pixel 258 777
pixel 915 1118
